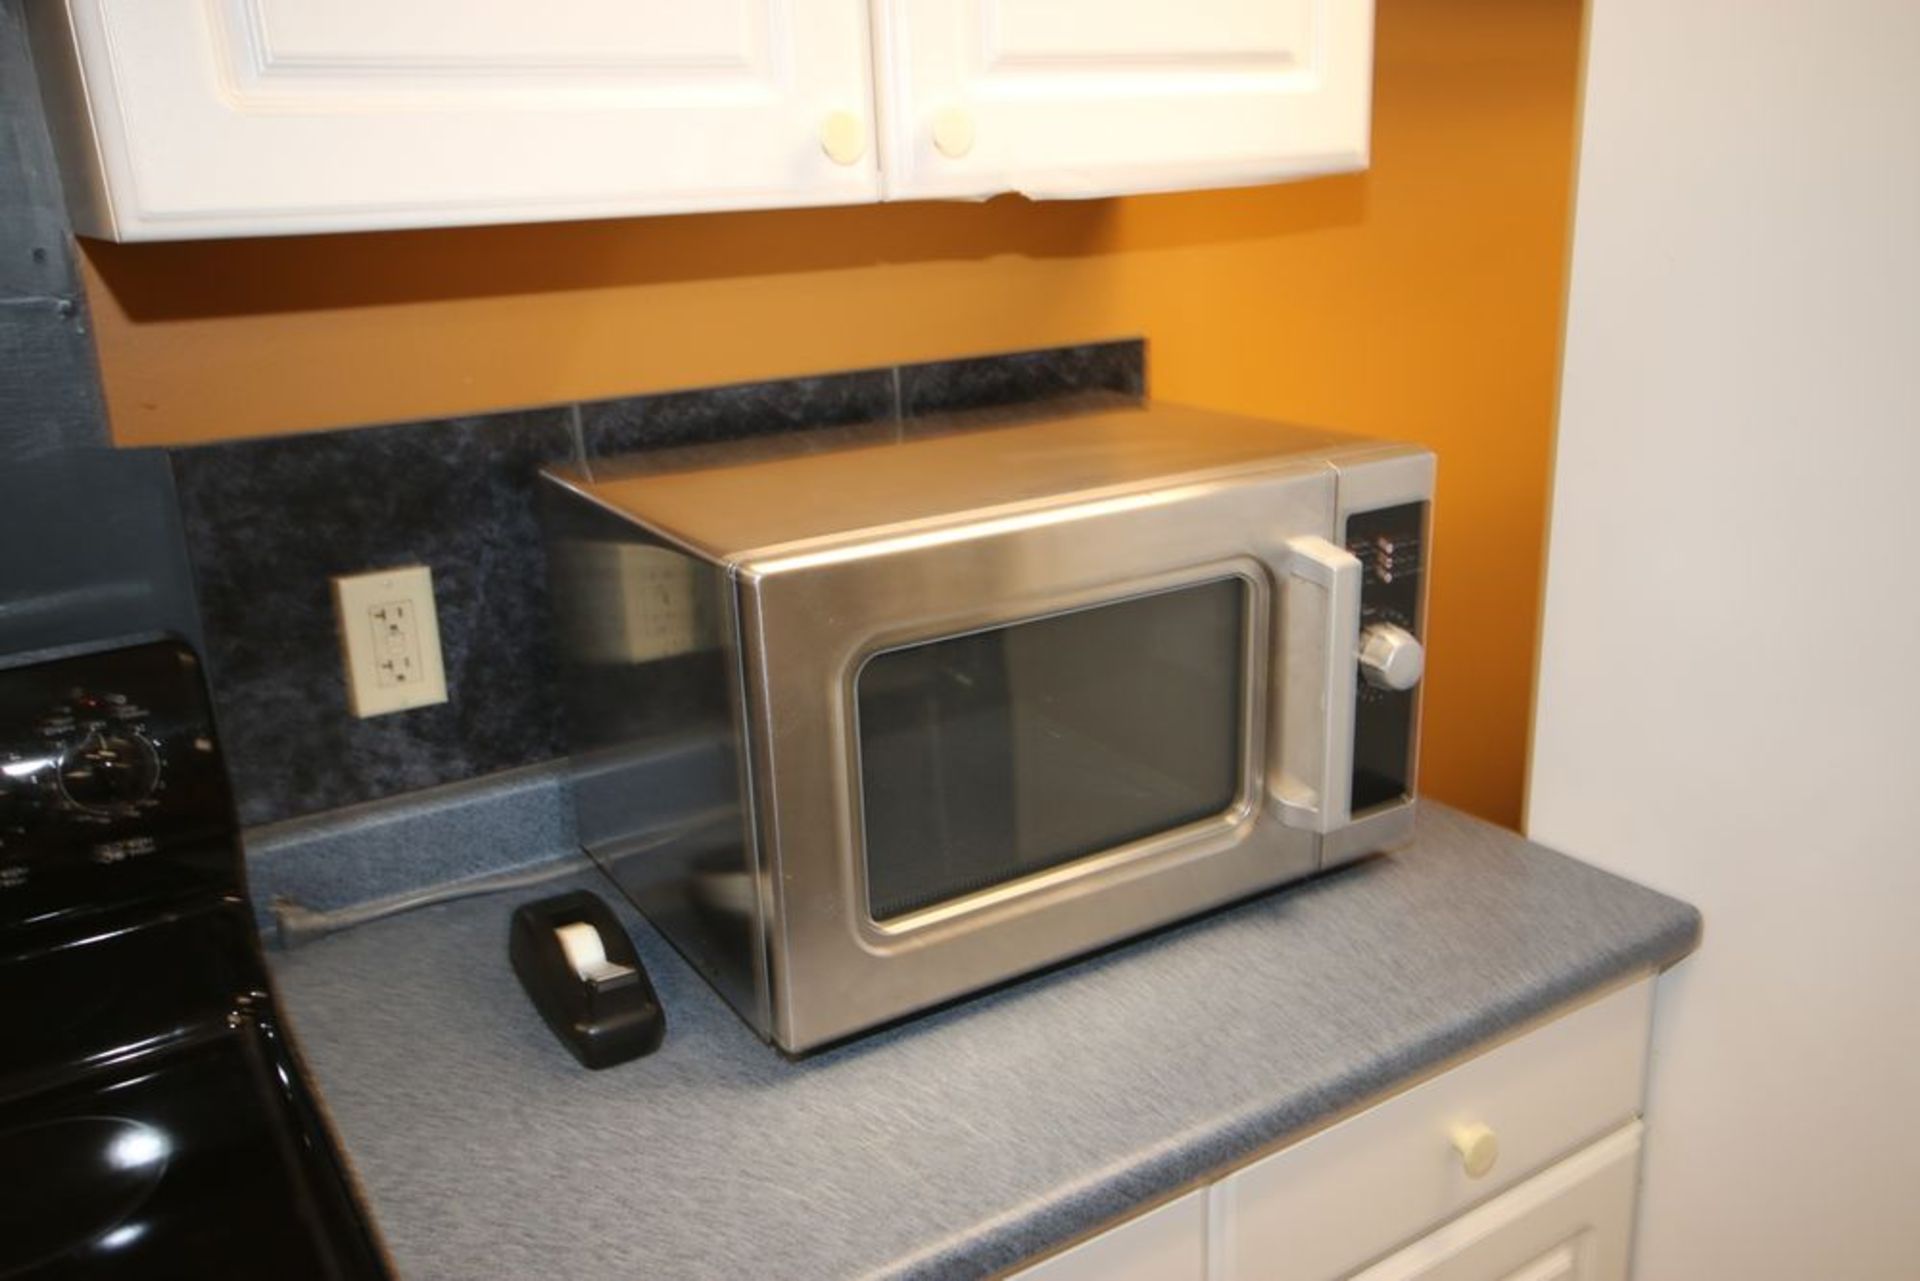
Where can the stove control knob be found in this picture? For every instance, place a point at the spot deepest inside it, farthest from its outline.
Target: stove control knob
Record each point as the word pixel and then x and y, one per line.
pixel 1391 657
pixel 109 771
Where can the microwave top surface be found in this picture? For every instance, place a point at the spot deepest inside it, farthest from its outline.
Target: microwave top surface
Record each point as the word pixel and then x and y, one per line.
pixel 742 501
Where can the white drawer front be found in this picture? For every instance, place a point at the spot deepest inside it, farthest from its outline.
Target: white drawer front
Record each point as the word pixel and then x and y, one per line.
pixel 1166 1244
pixel 1572 1223
pixel 1355 1191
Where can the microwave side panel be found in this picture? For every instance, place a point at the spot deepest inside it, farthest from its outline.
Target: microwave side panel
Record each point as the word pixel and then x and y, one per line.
pixel 648 644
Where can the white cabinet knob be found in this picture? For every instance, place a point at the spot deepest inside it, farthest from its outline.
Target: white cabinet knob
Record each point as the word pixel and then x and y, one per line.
pixel 953 132
pixel 843 137
pixel 1478 1146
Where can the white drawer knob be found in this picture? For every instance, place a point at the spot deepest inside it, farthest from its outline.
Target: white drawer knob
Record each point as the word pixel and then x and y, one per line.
pixel 843 138
pixel 953 132
pixel 1478 1146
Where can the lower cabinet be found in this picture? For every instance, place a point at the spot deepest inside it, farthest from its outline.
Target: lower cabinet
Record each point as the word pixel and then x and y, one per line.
pixel 1161 1245
pixel 1518 1164
pixel 1572 1223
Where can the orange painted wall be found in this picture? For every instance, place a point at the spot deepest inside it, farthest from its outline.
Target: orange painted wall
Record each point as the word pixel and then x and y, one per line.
pixel 1420 299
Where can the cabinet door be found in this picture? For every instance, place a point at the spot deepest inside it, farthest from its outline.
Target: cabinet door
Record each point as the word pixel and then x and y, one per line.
pixel 1573 1222
pixel 1093 97
pixel 1167 1244
pixel 234 117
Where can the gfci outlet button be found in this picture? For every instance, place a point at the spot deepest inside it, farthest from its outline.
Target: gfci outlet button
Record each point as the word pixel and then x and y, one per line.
pixel 390 640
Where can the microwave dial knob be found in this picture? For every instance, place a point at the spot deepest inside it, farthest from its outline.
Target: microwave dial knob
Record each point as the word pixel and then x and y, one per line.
pixel 1391 657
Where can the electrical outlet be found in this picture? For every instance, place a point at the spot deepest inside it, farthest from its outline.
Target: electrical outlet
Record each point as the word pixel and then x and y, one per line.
pixel 390 639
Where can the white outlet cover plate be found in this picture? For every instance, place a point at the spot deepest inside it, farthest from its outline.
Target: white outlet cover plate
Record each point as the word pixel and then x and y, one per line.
pixel 390 639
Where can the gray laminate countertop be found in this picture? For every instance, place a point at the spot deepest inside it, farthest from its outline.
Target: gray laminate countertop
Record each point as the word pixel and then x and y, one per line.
pixel 955 1144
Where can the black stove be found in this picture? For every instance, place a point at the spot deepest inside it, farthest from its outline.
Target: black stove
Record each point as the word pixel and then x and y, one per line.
pixel 153 1120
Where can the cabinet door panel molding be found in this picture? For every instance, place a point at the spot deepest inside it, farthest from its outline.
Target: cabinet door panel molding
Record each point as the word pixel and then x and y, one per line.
pixel 179 118
pixel 1081 97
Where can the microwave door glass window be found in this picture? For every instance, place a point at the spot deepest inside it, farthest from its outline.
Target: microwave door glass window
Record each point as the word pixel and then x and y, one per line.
pixel 996 754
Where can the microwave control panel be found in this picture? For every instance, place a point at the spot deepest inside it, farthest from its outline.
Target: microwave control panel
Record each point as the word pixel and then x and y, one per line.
pixel 1390 544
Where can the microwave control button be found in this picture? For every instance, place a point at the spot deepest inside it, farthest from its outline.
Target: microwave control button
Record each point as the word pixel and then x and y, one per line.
pixel 1391 657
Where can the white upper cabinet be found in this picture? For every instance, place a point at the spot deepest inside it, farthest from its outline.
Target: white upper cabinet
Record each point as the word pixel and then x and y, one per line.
pixel 1097 97
pixel 184 118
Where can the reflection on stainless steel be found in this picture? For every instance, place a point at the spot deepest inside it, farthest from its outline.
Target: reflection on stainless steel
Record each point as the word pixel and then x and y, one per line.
pixel 836 840
pixel 749 499
pixel 728 894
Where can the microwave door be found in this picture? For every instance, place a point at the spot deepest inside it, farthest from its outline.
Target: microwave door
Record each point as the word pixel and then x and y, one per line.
pixel 978 751
pixel 938 778
pixel 995 755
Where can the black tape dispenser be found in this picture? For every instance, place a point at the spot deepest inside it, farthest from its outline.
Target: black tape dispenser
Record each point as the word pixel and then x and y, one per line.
pixel 581 972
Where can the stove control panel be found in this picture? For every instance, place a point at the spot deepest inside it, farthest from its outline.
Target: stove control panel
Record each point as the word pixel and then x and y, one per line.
pixel 111 786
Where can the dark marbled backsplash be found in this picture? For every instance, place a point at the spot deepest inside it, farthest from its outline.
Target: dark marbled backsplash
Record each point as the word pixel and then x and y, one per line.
pixel 269 522
pixel 1013 378
pixel 609 427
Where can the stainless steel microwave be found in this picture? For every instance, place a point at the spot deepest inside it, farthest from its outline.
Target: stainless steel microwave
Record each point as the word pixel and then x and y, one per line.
pixel 864 721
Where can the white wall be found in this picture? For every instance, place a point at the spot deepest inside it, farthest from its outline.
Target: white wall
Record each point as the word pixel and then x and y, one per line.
pixel 1728 706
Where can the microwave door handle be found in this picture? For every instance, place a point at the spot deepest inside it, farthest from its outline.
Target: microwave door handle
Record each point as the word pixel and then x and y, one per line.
pixel 1320 634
